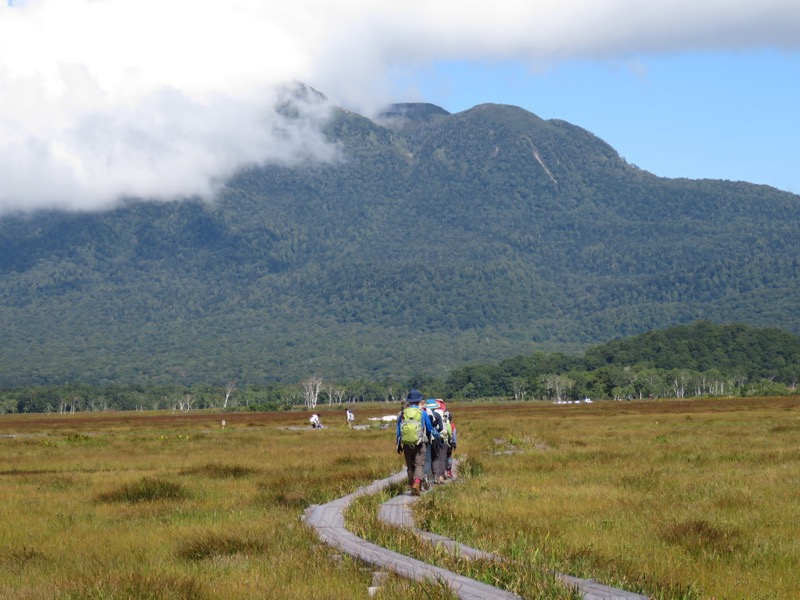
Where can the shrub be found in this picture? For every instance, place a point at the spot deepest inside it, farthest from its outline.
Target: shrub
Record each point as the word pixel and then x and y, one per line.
pixel 147 489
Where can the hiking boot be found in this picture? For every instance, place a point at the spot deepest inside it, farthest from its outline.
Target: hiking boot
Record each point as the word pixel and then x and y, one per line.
pixel 449 474
pixel 440 479
pixel 415 488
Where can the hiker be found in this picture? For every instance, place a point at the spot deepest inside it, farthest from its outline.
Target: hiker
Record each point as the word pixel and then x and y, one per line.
pixel 438 448
pixel 414 433
pixel 315 422
pixel 450 447
pixel 445 450
pixel 349 417
pixel 437 425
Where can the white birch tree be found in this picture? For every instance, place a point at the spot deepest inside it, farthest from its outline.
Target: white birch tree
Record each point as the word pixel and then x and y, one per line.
pixel 185 403
pixel 311 389
pixel 228 391
pixel 520 389
pixel 335 394
pixel 557 386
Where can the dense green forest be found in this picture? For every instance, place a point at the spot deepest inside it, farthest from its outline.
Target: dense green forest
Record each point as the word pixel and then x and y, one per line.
pixel 701 359
pixel 436 240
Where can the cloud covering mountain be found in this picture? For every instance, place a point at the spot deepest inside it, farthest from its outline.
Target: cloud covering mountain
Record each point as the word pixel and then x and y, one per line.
pixel 114 98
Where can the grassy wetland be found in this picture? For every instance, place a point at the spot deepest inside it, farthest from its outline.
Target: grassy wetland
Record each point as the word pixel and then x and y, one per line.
pixel 670 498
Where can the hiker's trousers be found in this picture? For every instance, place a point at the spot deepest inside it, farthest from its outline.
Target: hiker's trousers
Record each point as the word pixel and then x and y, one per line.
pixel 439 458
pixel 415 461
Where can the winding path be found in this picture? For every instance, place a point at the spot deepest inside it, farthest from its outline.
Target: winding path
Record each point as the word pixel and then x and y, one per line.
pixel 328 521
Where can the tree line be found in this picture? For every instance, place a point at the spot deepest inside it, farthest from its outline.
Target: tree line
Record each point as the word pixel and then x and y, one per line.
pixel 701 359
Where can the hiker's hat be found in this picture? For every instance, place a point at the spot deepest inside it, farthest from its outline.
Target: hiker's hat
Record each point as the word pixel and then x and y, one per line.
pixel 414 397
pixel 435 404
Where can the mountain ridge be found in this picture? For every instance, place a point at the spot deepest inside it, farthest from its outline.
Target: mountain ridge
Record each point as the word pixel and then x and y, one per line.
pixel 438 240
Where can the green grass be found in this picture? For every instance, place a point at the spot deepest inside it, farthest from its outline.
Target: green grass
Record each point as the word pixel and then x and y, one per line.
pixel 528 577
pixel 158 507
pixel 674 499
pixel 147 489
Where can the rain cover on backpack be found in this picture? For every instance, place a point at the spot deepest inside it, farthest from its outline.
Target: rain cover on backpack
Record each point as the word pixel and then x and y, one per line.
pixel 411 426
pixel 447 423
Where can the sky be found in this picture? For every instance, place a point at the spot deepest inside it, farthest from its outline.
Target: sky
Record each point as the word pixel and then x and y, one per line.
pixel 107 99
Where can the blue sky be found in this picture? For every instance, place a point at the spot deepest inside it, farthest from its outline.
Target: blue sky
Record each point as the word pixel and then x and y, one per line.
pixel 718 115
pixel 106 99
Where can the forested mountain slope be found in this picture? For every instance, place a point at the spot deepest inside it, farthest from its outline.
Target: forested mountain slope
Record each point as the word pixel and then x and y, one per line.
pixel 438 239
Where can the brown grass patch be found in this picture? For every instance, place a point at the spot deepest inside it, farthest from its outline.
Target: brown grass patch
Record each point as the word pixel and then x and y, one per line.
pixel 217 471
pixel 147 489
pixel 210 545
pixel 698 536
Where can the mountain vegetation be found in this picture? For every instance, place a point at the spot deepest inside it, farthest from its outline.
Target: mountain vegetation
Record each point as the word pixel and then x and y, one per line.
pixel 436 240
pixel 700 359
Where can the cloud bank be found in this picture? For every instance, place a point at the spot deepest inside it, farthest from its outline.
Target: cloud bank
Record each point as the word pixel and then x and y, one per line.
pixel 104 99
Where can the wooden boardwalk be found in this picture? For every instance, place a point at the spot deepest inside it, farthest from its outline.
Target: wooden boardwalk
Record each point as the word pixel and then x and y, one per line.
pixel 328 521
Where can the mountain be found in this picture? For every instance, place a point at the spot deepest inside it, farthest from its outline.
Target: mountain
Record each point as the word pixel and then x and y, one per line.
pixel 435 240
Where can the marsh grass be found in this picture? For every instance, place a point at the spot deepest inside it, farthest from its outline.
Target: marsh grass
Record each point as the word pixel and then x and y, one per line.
pixel 400 588
pixel 211 544
pixel 676 499
pixel 146 507
pixel 218 471
pixel 147 489
pixel 520 577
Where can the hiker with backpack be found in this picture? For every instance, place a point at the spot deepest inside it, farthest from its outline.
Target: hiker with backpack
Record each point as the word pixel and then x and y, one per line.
pixel 441 448
pixel 414 432
pixel 432 451
pixel 450 447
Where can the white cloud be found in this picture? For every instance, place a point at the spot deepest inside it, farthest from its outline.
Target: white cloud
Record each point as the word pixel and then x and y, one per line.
pixel 107 98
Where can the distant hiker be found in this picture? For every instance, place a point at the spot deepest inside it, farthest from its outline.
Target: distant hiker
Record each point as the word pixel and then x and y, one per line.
pixel 450 447
pixel 438 448
pixel 315 422
pixel 349 417
pixel 414 433
pixel 437 425
pixel 443 459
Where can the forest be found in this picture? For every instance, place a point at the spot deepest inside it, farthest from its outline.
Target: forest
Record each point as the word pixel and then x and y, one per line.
pixel 701 359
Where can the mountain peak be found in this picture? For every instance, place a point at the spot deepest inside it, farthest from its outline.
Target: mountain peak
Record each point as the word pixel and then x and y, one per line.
pixel 410 112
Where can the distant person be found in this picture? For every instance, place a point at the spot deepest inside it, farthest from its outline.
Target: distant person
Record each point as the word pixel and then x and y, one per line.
pixel 349 417
pixel 315 421
pixel 414 433
pixel 437 448
pixel 451 446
